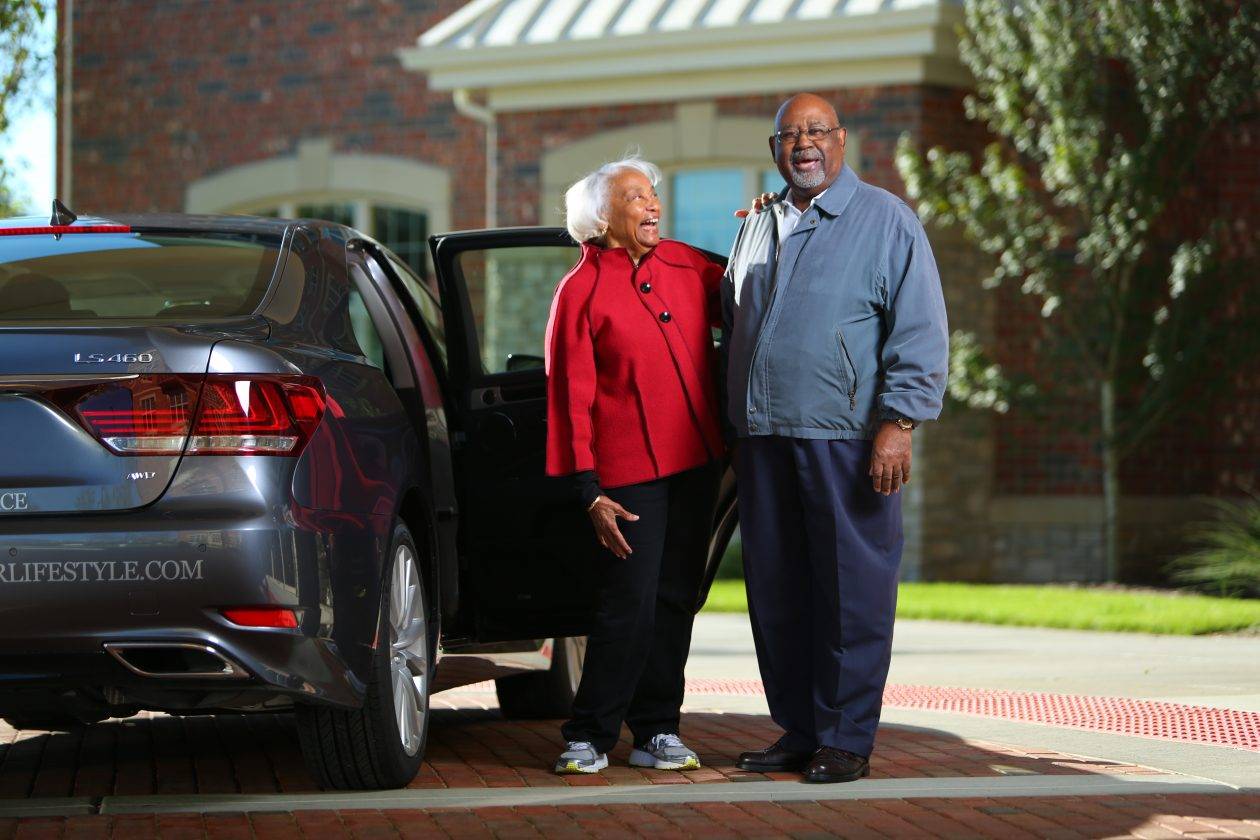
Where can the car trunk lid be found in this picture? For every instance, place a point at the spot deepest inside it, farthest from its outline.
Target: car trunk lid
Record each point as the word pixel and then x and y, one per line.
pixel 106 332
pixel 96 419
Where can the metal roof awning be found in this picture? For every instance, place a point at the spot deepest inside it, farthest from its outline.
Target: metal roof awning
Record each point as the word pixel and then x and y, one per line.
pixel 556 53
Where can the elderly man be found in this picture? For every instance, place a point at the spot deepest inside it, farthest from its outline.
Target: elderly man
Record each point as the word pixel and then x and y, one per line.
pixel 836 349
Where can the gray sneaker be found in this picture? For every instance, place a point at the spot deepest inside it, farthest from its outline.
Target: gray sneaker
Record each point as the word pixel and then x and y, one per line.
pixel 581 757
pixel 665 752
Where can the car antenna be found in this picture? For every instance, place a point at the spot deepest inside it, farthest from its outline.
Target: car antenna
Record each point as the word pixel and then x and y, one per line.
pixel 62 216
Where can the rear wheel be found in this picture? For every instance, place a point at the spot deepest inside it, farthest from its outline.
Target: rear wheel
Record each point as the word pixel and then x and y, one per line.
pixel 381 745
pixel 545 694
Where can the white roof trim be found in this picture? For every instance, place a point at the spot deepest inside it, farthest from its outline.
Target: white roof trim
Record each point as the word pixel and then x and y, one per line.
pixel 893 46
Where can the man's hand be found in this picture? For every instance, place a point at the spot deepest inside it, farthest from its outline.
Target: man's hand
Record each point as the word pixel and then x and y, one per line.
pixel 759 203
pixel 604 515
pixel 890 458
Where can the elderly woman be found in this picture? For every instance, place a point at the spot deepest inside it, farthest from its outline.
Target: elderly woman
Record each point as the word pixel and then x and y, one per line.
pixel 633 417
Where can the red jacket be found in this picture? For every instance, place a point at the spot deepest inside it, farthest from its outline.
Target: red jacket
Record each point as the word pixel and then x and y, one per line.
pixel 631 384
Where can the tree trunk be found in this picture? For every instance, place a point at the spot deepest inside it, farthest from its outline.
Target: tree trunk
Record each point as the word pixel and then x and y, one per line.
pixel 1111 482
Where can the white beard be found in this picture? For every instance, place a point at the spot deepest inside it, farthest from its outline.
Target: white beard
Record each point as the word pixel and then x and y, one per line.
pixel 808 180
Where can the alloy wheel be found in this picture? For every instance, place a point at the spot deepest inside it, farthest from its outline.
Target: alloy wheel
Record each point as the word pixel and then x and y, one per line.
pixel 409 650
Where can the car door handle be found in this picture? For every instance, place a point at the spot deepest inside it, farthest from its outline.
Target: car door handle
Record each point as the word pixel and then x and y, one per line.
pixel 497 395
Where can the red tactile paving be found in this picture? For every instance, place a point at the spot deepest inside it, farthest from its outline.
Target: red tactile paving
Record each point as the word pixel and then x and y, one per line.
pixel 1120 715
pixel 1152 816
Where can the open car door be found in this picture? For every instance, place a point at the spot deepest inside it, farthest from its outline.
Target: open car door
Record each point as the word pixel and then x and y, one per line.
pixel 529 550
pixel 527 547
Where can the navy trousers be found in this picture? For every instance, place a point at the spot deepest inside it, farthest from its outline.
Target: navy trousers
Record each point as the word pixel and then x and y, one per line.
pixel 821 556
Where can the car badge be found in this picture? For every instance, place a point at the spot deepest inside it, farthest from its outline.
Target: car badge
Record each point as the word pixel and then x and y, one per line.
pixel 113 358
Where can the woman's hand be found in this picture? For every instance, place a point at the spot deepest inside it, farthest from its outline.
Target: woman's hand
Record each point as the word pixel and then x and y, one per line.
pixel 604 513
pixel 759 203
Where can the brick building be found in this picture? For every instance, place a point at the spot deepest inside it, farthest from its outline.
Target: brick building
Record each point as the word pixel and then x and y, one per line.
pixel 381 113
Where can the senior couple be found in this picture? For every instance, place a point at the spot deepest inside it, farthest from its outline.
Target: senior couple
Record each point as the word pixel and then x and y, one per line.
pixel 834 349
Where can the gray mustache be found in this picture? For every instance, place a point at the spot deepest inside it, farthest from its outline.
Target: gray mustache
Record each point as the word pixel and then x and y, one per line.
pixel 811 154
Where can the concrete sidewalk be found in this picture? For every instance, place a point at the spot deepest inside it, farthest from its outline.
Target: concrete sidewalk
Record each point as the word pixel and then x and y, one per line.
pixel 1215 671
pixel 1116 817
pixel 1222 671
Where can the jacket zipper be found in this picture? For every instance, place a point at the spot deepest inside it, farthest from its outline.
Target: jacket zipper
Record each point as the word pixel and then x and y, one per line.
pixel 844 348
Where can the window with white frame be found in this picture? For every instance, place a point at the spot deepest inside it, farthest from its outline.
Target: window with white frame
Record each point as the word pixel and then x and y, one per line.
pixel 702 202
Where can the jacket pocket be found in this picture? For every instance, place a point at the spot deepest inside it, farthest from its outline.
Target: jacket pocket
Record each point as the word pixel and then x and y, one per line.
pixel 850 370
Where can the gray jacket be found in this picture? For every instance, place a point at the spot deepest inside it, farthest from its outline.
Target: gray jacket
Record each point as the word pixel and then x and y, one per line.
pixel 848 330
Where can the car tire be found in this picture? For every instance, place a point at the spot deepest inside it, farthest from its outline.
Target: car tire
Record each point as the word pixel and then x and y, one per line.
pixel 545 695
pixel 381 745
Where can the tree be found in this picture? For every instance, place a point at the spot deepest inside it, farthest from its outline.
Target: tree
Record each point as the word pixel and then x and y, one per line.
pixel 1099 111
pixel 20 57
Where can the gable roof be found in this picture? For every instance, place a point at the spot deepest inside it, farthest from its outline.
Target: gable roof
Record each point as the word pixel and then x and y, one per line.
pixel 556 53
pixel 500 23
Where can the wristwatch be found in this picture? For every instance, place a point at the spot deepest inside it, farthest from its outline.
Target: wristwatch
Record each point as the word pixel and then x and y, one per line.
pixel 906 424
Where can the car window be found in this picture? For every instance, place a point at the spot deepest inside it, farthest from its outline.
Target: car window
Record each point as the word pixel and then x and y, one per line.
pixel 365 331
pixel 427 301
pixel 86 276
pixel 510 290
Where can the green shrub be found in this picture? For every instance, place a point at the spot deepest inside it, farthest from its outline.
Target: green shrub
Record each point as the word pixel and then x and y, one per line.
pixel 732 565
pixel 1227 561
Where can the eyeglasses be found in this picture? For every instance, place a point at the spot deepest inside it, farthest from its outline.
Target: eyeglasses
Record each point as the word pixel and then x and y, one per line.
pixel 789 136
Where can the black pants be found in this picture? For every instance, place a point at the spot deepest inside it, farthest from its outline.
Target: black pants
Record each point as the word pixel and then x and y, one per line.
pixel 637 648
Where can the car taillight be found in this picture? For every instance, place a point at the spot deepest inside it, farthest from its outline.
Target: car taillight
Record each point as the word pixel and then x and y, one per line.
pixel 224 415
pixel 140 415
pixel 256 415
pixel 261 616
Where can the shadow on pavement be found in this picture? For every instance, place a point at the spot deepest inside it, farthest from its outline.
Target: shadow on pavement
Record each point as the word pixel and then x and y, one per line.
pixel 468 748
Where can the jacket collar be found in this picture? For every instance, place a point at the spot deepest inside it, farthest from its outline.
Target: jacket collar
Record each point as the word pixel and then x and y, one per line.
pixel 590 249
pixel 610 252
pixel 837 196
pixel 840 192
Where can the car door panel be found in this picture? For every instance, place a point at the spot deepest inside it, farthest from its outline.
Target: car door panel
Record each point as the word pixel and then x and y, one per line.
pixel 529 549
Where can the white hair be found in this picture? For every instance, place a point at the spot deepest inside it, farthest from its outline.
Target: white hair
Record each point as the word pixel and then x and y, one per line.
pixel 586 202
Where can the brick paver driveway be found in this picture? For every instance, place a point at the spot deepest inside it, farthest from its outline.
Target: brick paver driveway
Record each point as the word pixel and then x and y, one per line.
pixel 474 749
pixel 239 777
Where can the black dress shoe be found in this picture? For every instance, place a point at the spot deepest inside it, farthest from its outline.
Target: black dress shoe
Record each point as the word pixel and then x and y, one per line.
pixel 833 765
pixel 773 758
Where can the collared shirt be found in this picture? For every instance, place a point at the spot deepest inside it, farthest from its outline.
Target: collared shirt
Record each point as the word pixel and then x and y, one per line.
pixel 788 216
pixel 843 327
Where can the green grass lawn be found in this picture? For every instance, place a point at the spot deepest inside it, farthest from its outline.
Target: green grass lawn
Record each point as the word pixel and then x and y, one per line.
pixel 1051 606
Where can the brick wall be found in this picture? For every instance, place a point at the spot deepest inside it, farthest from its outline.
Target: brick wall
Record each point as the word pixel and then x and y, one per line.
pixel 879 114
pixel 525 137
pixel 166 93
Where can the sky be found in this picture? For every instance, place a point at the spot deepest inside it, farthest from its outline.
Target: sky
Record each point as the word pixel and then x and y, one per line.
pixel 30 144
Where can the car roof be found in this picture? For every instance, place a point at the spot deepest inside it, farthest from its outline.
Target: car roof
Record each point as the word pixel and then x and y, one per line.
pixel 179 221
